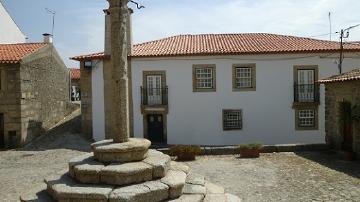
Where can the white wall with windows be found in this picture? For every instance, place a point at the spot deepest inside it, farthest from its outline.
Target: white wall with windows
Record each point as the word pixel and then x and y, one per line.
pixel 266 112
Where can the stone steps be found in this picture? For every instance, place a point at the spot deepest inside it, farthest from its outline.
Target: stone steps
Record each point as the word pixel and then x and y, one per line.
pixel 171 186
pixel 86 169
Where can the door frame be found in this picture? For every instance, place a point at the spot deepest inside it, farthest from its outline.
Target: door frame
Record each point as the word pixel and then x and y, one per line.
pixel 145 123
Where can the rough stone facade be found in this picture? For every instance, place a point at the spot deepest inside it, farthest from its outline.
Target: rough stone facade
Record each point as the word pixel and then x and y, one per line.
pixel 335 93
pixel 86 101
pixel 35 96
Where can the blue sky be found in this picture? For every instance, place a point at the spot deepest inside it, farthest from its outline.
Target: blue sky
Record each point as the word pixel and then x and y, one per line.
pixel 79 25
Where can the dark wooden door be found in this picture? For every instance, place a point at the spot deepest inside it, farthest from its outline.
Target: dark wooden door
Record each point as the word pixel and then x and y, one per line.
pixel 155 128
pixel 2 132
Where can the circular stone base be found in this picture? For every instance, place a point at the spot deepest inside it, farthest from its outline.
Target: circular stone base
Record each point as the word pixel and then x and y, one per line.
pixel 107 151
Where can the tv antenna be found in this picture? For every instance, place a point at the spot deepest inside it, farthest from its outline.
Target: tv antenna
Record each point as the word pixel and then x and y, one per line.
pixel 344 34
pixel 53 13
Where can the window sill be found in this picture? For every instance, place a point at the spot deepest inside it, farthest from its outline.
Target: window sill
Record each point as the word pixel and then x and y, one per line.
pixel 305 104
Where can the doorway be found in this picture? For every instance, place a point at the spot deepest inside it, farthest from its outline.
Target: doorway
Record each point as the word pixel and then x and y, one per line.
pixel 155 125
pixel 2 132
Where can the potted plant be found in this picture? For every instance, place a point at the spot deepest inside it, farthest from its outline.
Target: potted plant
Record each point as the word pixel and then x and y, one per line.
pixel 349 114
pixel 185 152
pixel 250 150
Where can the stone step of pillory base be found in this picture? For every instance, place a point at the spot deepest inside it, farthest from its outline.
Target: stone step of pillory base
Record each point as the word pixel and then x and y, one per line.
pixel 107 151
pixel 86 169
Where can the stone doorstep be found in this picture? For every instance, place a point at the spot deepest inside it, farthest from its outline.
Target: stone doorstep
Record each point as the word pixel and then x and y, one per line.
pixel 155 166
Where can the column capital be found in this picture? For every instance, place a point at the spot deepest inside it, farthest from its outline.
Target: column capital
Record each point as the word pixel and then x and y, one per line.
pixel 117 3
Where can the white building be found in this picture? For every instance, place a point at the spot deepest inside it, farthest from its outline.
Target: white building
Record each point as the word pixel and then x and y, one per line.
pixel 9 31
pixel 224 89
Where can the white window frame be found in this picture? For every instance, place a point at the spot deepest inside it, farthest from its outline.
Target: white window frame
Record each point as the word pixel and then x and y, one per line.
pixel 204 78
pixel 307 118
pixel 239 77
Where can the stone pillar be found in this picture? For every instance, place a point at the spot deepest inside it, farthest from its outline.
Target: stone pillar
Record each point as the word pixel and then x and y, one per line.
pixel 119 120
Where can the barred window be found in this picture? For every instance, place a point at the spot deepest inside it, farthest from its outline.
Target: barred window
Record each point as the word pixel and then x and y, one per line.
pixel 243 77
pixel 204 78
pixel 307 118
pixel 232 119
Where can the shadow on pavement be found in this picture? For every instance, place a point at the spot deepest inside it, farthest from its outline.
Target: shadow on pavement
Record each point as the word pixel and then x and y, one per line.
pixel 334 161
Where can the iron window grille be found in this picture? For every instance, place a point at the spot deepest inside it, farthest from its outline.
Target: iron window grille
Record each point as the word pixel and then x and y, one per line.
pixel 232 119
pixel 307 118
pixel 154 96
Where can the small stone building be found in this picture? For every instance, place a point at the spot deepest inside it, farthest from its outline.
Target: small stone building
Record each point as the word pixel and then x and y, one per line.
pixel 340 88
pixel 75 84
pixel 34 91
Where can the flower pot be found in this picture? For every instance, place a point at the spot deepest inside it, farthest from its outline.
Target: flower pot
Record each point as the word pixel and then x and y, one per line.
pixel 249 153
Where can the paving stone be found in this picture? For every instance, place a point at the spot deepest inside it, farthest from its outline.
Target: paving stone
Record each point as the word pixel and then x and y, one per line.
pixel 128 173
pixel 89 172
pixel 232 198
pixel 153 191
pixel 83 159
pixel 134 150
pixel 194 189
pixel 179 167
pixel 189 198
pixel 65 189
pixel 213 188
pixel 176 181
pixel 194 178
pixel 159 161
pixel 215 198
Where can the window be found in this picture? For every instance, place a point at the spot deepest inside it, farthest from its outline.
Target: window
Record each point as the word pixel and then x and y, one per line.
pixel 204 78
pixel 87 64
pixel 232 119
pixel 307 118
pixel 244 76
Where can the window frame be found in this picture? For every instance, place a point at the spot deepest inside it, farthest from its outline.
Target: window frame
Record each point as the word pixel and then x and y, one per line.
pixel 298 125
pixel 195 79
pixel 225 113
pixel 252 66
pixel 2 79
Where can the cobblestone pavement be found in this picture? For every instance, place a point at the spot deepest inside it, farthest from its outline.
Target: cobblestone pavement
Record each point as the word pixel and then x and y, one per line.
pixel 306 176
pixel 273 177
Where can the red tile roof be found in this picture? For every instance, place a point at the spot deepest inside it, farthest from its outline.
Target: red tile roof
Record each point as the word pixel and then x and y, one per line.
pixel 14 53
pixel 75 73
pixel 347 76
pixel 92 56
pixel 233 44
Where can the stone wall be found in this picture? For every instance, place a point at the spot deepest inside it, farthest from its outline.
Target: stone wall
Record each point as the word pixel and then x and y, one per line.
pixel 45 96
pixel 336 93
pixel 86 101
pixel 10 102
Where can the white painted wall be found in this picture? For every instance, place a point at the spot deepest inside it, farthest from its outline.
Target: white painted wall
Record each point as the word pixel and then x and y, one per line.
pixel 9 31
pixel 98 107
pixel 268 117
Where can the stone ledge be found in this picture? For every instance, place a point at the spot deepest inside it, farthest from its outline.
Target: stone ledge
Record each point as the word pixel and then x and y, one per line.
pixel 109 152
pixel 232 150
pixel 86 169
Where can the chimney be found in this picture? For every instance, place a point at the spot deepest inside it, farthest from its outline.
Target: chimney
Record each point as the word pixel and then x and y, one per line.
pixel 48 38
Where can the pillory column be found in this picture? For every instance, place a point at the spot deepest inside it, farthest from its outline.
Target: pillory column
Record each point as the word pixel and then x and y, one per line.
pixel 119 101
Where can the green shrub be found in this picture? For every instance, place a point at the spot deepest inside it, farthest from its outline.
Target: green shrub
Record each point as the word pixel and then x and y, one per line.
pixel 185 149
pixel 250 146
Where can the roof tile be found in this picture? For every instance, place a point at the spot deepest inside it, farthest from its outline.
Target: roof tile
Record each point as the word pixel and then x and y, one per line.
pixel 14 53
pixel 347 76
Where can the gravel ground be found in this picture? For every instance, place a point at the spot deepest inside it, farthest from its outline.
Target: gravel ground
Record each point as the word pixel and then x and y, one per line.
pixel 289 177
pixel 306 176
